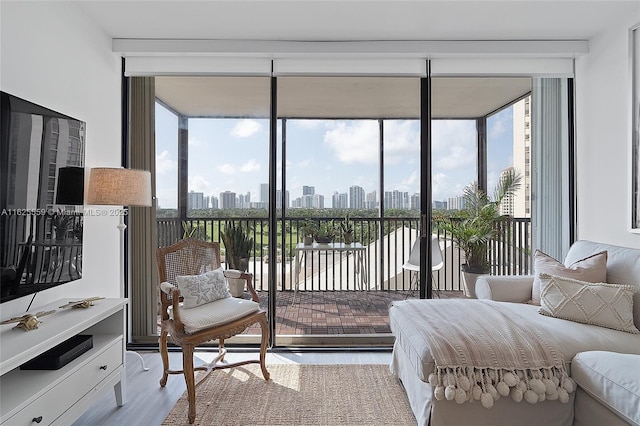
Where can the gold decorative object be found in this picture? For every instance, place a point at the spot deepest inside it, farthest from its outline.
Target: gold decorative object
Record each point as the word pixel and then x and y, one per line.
pixel 81 303
pixel 27 321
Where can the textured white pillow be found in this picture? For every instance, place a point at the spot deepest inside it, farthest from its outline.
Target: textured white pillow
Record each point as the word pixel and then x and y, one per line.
pixel 200 289
pixel 605 305
pixel 592 269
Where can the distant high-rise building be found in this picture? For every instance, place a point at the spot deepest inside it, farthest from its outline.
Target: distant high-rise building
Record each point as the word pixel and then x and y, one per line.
pixel 308 190
pixel 195 200
pixel 214 203
pixel 356 197
pixel 507 206
pixel 340 201
pixel 414 201
pixel 244 201
pixel 522 156
pixel 371 201
pixel 318 201
pixel 264 193
pixel 456 203
pixel 439 205
pixel 279 199
pixel 206 202
pixel 396 200
pixel 228 200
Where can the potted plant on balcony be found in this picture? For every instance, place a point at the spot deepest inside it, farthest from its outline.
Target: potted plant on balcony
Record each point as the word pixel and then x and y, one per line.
pixel 61 223
pixel 326 232
pixel 347 229
pixel 238 245
pixel 474 227
pixel 307 230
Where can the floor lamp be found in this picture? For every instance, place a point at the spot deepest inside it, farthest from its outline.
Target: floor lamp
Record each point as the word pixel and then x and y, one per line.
pixel 120 187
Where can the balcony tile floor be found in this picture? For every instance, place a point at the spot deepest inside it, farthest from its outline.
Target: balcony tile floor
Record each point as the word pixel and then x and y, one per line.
pixel 335 312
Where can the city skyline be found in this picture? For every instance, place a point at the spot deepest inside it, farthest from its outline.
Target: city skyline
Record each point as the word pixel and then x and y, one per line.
pixel 331 155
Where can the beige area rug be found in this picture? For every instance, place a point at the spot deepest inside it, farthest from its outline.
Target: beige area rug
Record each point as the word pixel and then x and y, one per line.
pixel 298 395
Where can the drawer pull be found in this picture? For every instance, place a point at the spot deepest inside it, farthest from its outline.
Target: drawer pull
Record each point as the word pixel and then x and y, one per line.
pixel 103 367
pixel 37 419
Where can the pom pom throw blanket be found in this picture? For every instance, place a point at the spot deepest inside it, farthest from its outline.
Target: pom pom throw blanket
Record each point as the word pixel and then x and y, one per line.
pixel 481 352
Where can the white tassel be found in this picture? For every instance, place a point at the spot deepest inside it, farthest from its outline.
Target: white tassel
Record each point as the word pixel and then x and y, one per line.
pixel 553 396
pixel 461 396
pixel 439 393
pixel 433 380
pixel 542 397
pixel 487 400
pixel 550 387
pixel 449 380
pixel 563 396
pixel 516 394
pixel 537 386
pixel 503 388
pixel 476 392
pixel 493 392
pixel 464 383
pixel 531 397
pixel 509 379
pixel 450 393
pixel 568 384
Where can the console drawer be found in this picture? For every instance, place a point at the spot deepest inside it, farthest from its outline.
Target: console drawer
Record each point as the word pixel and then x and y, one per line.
pixel 48 407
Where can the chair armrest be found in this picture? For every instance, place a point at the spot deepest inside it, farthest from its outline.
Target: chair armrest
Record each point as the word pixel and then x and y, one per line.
pixel 505 288
pixel 172 293
pixel 234 273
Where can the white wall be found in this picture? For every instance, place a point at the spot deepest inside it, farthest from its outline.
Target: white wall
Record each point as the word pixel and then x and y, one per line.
pixel 51 55
pixel 603 132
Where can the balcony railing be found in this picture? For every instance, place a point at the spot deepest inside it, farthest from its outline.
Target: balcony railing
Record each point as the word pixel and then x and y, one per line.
pixel 387 241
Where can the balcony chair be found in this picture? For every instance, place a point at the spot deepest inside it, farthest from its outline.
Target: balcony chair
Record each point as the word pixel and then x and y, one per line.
pixel 413 263
pixel 194 261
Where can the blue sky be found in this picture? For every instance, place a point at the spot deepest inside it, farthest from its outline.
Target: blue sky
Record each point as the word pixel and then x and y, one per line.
pixel 331 155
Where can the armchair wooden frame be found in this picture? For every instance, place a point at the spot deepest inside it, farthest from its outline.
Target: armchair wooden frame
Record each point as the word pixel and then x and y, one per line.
pixel 194 257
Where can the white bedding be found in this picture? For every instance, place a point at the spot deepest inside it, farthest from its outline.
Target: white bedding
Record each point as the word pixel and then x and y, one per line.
pixel 412 357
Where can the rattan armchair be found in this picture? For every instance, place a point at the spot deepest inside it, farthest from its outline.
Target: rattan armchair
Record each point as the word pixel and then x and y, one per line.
pixel 229 316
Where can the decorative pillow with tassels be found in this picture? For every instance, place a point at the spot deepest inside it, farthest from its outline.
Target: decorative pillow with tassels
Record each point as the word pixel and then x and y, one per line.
pixel 601 304
pixel 197 290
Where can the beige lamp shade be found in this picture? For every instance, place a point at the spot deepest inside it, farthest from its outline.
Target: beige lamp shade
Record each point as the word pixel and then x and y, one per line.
pixel 119 187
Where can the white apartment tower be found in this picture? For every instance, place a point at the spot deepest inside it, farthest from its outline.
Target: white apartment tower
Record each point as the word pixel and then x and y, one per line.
pixel 522 157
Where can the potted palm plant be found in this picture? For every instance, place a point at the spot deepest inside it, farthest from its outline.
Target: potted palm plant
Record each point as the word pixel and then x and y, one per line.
pixel 474 227
pixel 238 245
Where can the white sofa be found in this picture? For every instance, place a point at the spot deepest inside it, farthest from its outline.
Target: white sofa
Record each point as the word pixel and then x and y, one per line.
pixel 412 361
pixel 608 382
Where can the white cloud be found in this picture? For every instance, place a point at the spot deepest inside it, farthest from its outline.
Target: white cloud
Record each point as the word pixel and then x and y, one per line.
pixel 226 169
pixel 307 124
pixel 165 163
pixel 410 181
pixel 194 141
pixel 250 166
pixel 199 183
pixel 354 142
pixel 246 128
pixel 402 140
pixel 453 144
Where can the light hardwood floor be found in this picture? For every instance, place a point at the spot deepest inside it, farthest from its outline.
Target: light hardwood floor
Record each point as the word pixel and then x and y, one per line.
pixel 148 404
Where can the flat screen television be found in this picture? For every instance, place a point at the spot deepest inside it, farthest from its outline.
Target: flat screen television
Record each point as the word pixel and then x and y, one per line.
pixel 41 197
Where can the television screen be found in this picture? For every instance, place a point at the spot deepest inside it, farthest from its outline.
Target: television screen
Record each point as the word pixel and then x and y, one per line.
pixel 41 197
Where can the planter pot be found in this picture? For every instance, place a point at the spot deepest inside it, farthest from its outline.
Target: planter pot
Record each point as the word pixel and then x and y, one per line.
pixel 348 238
pixel 323 240
pixel 307 241
pixel 236 286
pixel 469 281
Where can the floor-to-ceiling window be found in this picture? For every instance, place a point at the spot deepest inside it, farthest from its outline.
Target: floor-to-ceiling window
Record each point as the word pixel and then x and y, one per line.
pixel 346 148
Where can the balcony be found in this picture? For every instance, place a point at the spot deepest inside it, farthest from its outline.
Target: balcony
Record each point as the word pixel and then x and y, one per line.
pixel 329 299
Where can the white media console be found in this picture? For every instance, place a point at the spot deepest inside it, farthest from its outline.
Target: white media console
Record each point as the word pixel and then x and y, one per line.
pixel 59 397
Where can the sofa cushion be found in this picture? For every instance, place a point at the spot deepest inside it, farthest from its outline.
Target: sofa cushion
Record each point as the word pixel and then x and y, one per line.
pixel 606 305
pixel 216 313
pixel 611 378
pixel 592 268
pixel 623 266
pixel 197 290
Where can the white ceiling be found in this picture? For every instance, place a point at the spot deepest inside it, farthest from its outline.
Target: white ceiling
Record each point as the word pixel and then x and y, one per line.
pixel 350 20
pixel 327 20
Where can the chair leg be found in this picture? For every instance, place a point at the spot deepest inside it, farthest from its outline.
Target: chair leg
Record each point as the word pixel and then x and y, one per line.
pixel 263 346
pixel 222 351
pixel 164 353
pixel 189 378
